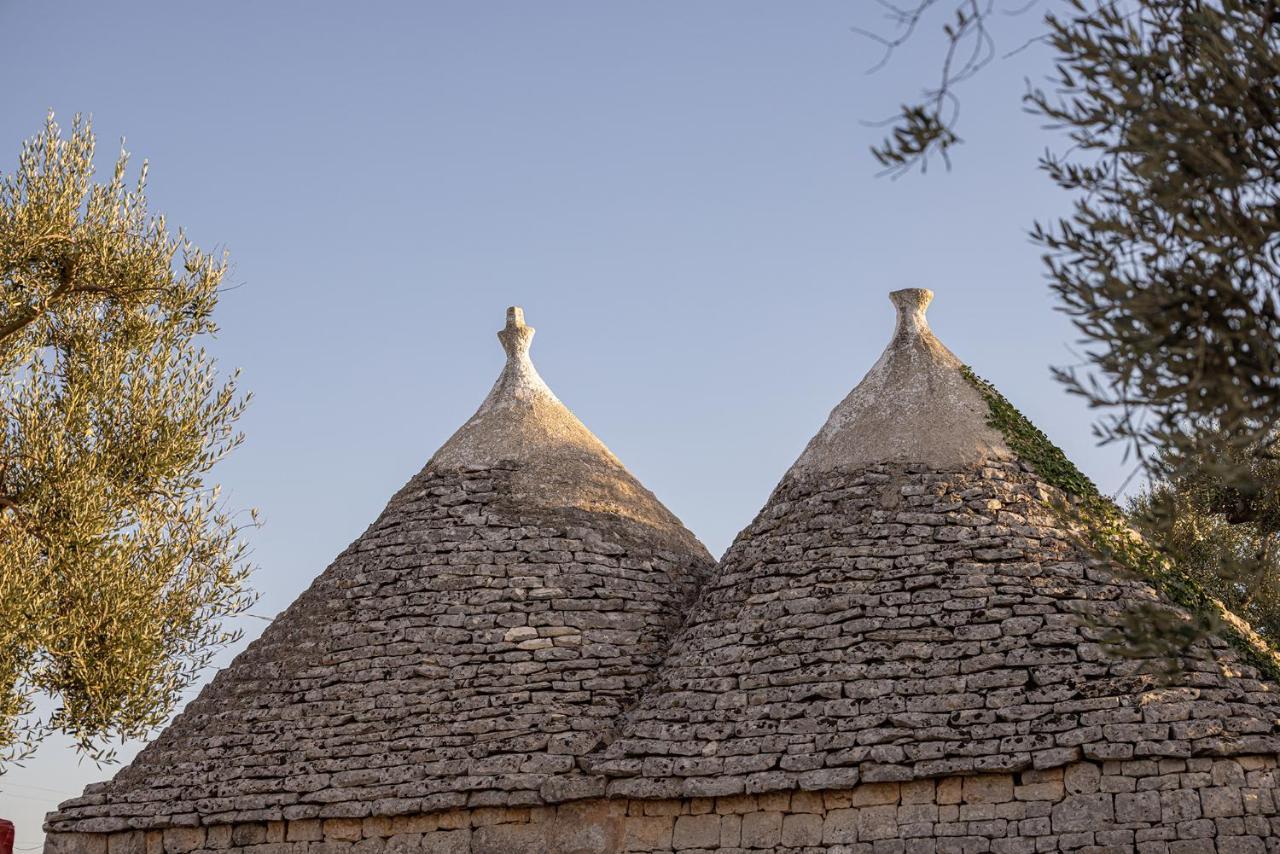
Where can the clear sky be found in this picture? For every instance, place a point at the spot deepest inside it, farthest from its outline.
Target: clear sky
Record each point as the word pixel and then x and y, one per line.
pixel 678 193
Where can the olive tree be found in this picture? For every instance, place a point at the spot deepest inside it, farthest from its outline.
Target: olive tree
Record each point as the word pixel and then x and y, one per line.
pixel 1226 540
pixel 119 564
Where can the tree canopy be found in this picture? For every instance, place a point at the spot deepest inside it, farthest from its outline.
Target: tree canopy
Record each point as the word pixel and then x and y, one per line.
pixel 118 561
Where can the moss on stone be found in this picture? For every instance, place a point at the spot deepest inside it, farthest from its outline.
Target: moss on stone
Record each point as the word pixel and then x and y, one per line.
pixel 1107 530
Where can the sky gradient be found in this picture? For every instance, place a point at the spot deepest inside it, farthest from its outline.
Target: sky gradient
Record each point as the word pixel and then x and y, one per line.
pixel 679 194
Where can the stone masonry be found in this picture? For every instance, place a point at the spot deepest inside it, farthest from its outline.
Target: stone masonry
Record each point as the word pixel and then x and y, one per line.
pixel 458 654
pixel 1150 806
pixel 904 623
pixel 902 654
pixel 479 638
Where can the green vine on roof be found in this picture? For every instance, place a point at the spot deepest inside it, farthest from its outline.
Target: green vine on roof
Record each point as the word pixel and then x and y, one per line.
pixel 1030 443
pixel 1109 534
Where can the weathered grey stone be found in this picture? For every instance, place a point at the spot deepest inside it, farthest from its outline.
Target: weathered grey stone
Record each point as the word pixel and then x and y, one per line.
pixel 900 655
pixel 855 598
pixel 1082 812
pixel 1138 807
pixel 511 600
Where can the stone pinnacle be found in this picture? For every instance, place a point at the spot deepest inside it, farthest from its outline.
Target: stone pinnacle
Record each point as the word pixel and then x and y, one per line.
pixel 911 303
pixel 516 336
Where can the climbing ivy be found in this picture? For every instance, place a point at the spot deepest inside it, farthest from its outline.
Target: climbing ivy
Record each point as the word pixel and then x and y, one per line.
pixel 1108 531
pixel 1030 443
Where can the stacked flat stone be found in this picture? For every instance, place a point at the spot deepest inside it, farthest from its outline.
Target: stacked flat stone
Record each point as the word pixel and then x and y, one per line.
pixel 476 641
pixel 902 654
pixel 906 623
pixel 907 606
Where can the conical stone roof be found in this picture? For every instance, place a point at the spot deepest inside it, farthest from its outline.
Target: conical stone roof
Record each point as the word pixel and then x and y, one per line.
pixel 909 604
pixel 468 649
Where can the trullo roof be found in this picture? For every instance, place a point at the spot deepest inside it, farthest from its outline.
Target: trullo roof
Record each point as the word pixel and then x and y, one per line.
pixel 468 649
pixel 911 603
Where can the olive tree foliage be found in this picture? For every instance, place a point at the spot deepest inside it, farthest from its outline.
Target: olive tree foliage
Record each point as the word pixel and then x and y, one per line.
pixel 1225 540
pixel 118 561
pixel 928 126
pixel 1169 262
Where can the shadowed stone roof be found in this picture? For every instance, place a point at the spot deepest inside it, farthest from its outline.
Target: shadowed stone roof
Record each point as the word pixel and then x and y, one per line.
pixel 909 605
pixel 476 641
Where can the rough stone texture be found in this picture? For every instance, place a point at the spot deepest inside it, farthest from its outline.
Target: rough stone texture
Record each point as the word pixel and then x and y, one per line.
pixel 1169 806
pixel 900 655
pixel 886 620
pixel 466 650
pixel 900 623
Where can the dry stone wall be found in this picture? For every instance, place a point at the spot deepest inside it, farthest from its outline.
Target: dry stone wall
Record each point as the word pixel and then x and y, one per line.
pixel 900 623
pixel 1150 806
pixel 463 652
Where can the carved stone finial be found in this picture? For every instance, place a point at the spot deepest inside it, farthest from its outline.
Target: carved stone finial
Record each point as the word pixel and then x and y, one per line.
pixel 516 336
pixel 911 304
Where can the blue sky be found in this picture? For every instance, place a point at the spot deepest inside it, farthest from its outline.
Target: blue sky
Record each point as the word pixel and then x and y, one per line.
pixel 679 194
